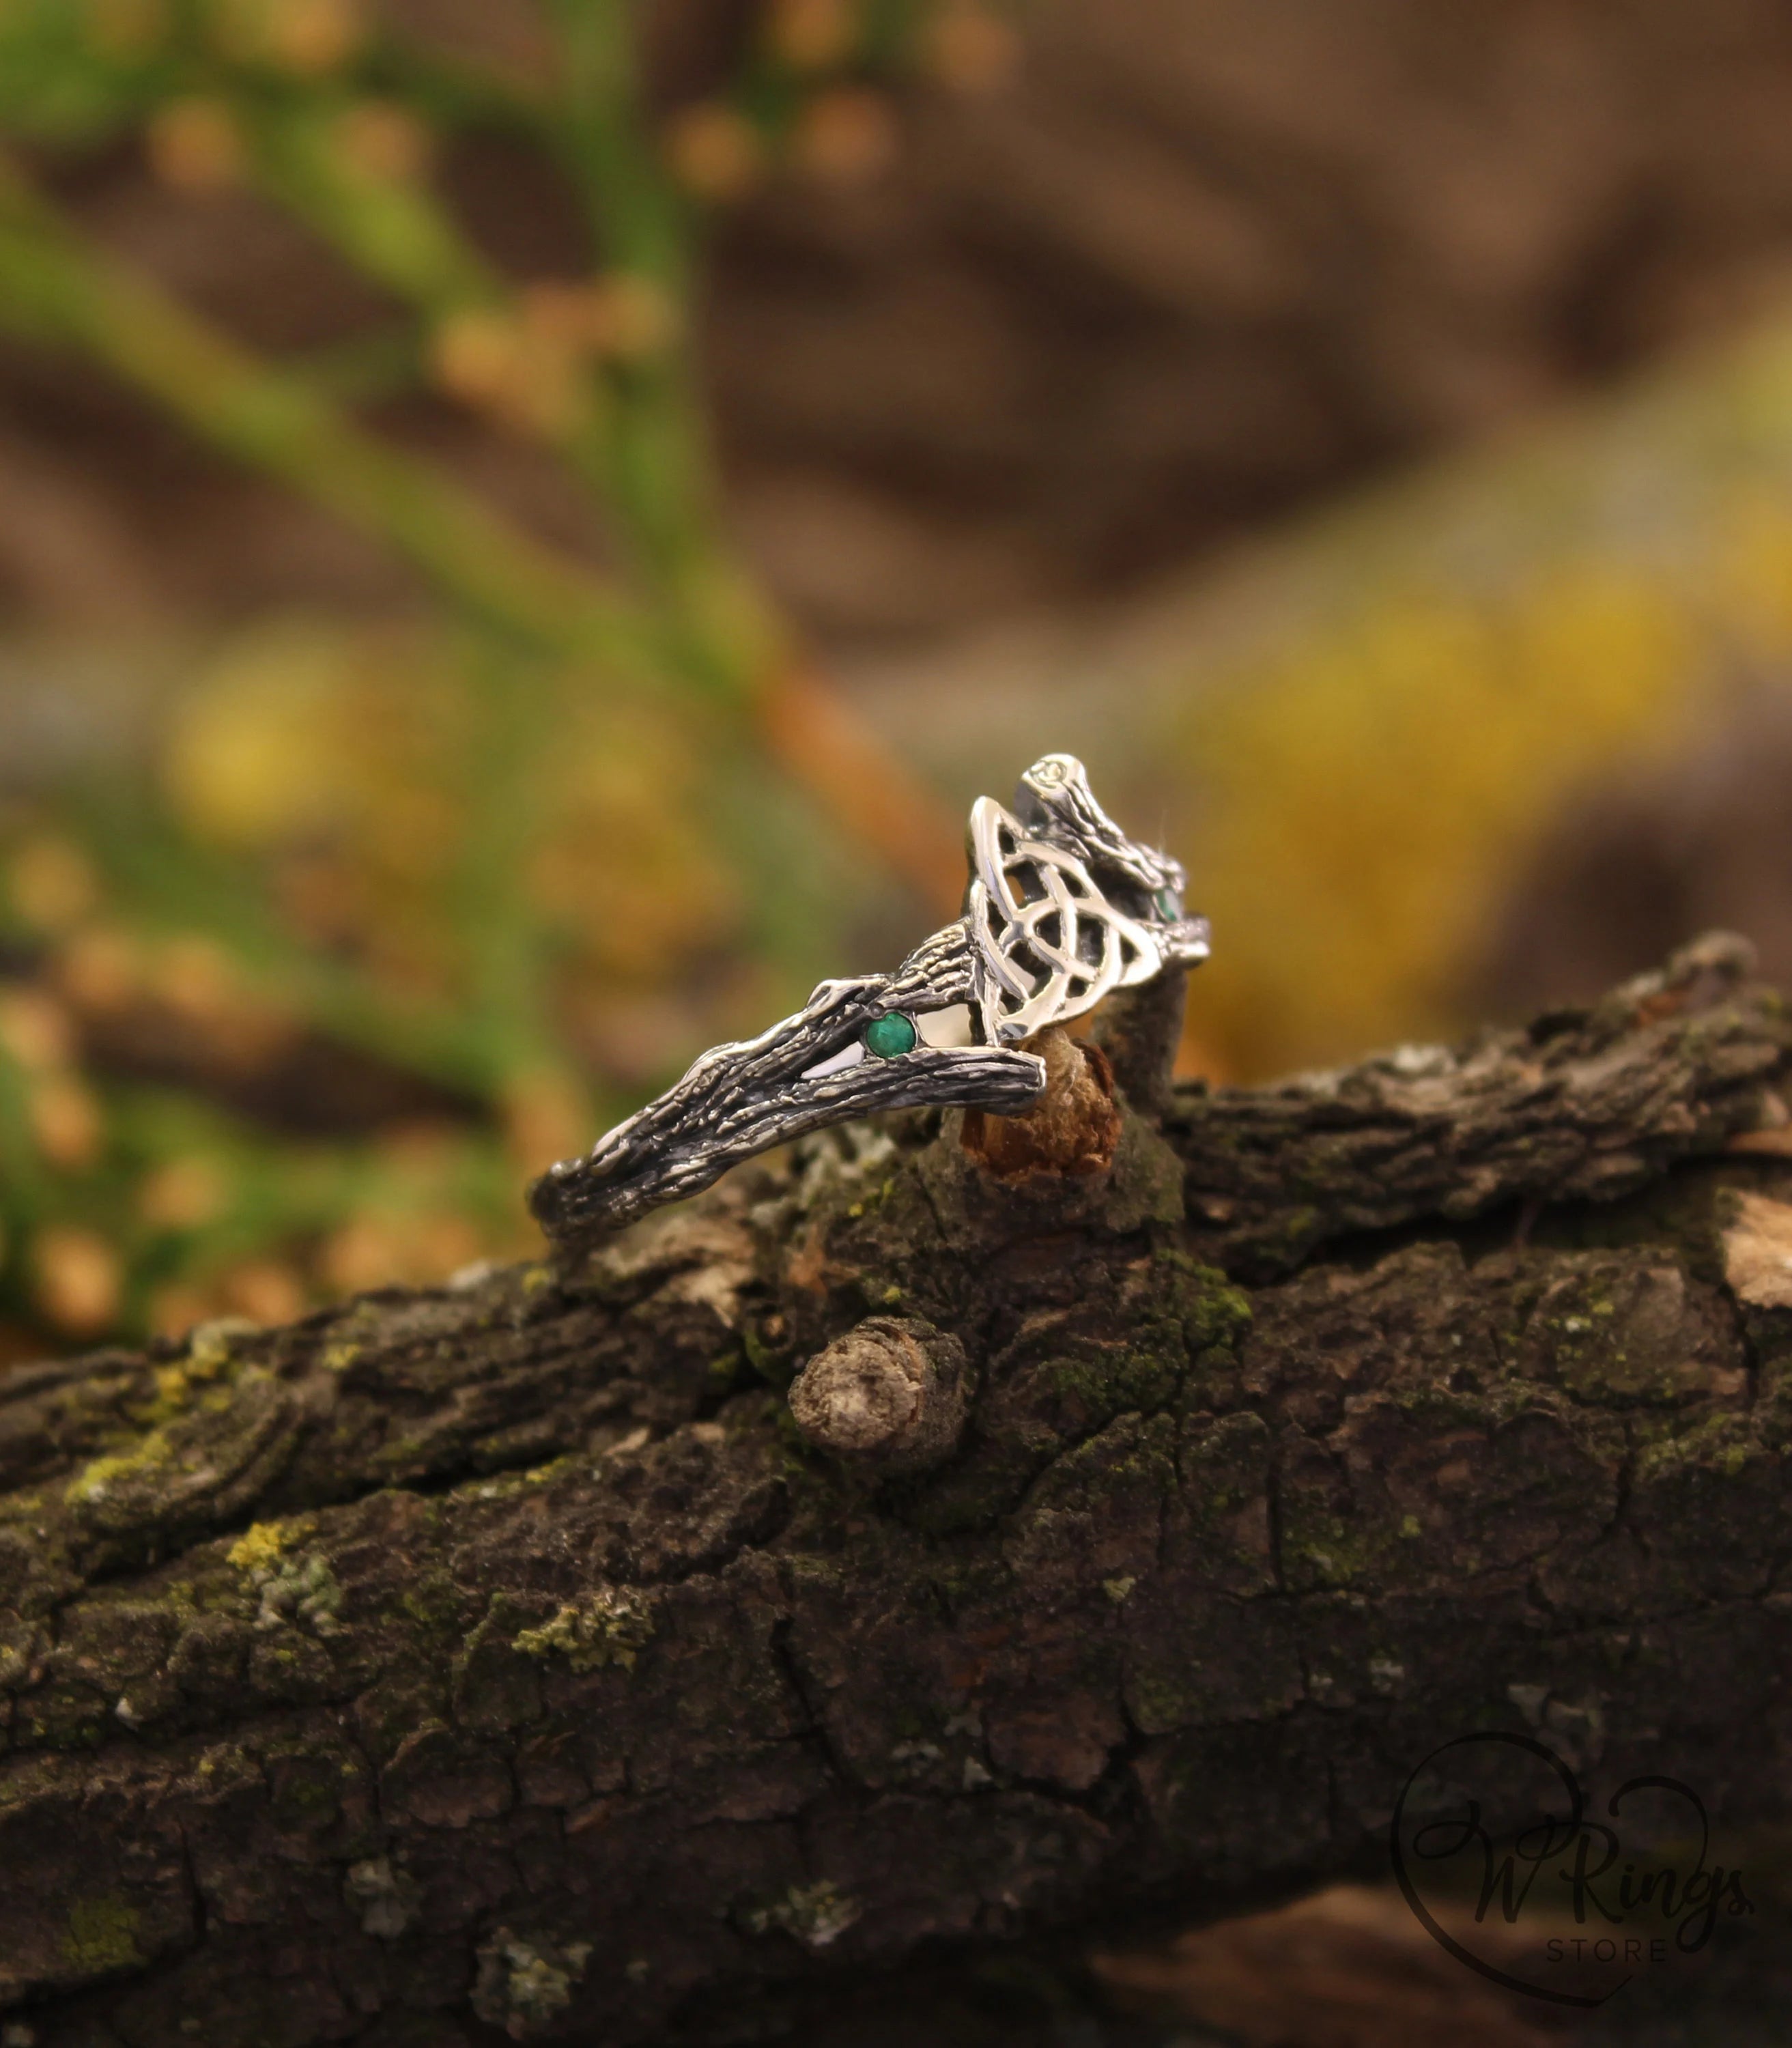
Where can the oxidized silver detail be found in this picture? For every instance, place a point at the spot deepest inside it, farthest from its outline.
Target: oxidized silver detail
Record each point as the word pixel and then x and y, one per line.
pixel 1051 945
pixel 1062 909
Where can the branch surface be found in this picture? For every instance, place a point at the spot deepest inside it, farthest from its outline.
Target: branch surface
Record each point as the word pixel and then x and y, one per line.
pixel 504 1661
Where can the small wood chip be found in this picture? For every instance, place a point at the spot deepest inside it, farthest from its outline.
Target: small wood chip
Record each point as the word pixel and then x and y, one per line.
pixel 1757 1253
pixel 1074 1127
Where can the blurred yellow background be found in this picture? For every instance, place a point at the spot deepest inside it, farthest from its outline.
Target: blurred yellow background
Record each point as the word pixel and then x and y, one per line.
pixel 522 528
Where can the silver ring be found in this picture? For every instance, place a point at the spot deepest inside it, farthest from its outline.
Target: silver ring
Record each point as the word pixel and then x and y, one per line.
pixel 1062 910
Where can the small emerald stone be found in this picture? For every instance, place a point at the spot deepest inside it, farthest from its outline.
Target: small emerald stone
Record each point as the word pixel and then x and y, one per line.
pixel 890 1037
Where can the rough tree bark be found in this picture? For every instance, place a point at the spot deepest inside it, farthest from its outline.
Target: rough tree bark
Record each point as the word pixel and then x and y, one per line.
pixel 506 1660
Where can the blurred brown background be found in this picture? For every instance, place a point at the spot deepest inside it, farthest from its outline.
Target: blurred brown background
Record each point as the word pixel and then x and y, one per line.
pixel 1363 431
pixel 1006 370
pixel 1175 271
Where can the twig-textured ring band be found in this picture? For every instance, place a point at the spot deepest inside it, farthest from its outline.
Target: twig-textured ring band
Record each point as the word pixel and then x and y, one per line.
pixel 1062 909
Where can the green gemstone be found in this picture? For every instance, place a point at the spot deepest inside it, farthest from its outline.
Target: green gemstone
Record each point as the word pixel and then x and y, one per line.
pixel 891 1036
pixel 1168 906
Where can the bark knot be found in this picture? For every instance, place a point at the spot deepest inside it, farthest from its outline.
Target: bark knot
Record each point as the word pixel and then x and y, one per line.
pixel 892 1392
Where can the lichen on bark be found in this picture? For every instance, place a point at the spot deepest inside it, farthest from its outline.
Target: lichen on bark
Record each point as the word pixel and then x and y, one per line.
pixel 506 1656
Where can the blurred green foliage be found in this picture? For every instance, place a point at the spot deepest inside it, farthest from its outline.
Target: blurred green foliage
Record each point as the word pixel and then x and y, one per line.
pixel 485 854
pixel 397 912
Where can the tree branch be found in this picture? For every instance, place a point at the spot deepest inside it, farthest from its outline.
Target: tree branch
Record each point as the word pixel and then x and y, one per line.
pixel 716 634
pixel 505 1657
pixel 275 422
